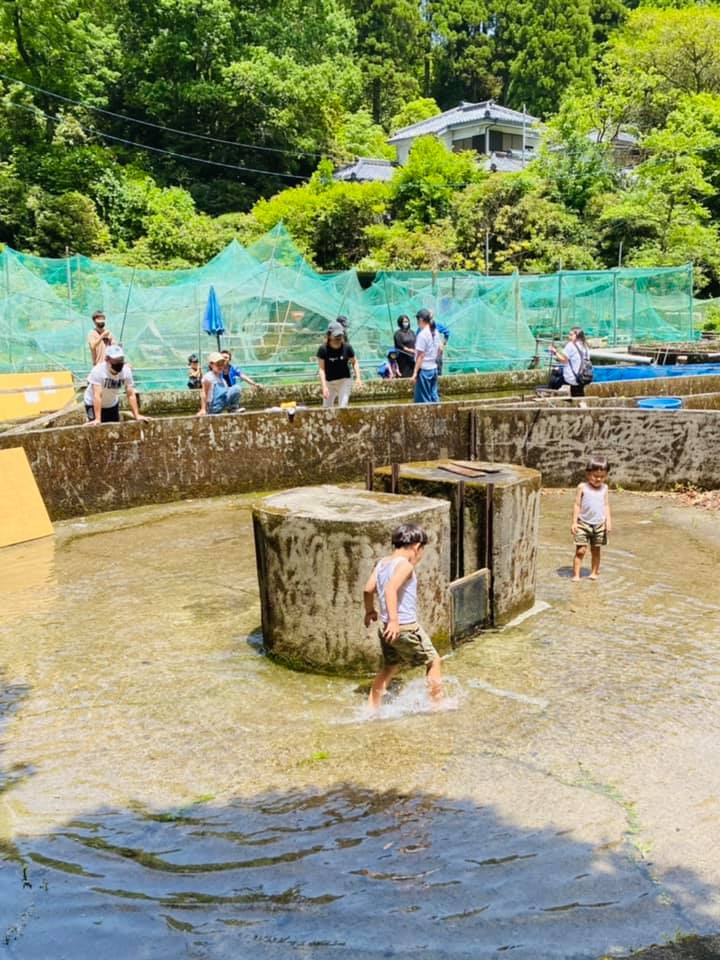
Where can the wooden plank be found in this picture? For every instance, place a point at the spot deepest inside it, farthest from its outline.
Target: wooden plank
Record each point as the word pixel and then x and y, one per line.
pixel 23 515
pixel 460 470
pixel 31 394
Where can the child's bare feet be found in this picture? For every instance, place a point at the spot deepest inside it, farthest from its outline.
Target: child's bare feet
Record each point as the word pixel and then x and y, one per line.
pixel 593 576
pixel 575 579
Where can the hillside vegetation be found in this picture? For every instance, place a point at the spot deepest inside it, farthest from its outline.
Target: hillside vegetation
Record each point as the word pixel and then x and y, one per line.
pixel 152 134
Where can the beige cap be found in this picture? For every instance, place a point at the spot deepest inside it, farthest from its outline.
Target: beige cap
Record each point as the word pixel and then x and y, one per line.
pixel 216 358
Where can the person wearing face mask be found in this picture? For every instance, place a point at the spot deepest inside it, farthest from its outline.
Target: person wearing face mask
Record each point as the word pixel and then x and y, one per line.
pixel 99 338
pixel 105 381
pixel 405 343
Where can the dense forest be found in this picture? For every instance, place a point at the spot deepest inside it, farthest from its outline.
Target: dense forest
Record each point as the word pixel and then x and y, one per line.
pixel 154 133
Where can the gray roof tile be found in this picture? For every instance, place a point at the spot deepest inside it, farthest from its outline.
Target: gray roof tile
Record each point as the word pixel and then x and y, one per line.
pixel 464 113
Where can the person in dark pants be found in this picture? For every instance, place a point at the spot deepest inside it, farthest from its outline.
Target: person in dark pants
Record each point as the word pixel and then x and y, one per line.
pixel 405 343
pixel 572 357
pixel 105 381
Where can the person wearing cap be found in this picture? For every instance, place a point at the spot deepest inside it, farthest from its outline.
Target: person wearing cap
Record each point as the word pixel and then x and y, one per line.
pixel 99 338
pixel 216 396
pixel 194 372
pixel 334 358
pixel 427 348
pixel 389 370
pixel 105 381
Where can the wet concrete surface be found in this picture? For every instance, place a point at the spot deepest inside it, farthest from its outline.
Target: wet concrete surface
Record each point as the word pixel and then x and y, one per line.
pixel 167 791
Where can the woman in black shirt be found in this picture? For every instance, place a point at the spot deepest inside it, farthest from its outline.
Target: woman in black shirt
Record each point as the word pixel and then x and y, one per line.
pixel 335 358
pixel 405 343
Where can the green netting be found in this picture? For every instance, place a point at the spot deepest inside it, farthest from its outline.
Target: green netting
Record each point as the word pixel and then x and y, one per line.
pixel 276 308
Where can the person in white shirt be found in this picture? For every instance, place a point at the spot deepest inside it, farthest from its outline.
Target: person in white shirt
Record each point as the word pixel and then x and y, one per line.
pixel 105 381
pixel 428 347
pixel 572 357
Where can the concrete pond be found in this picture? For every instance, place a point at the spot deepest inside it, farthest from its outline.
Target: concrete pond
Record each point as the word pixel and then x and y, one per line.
pixel 167 790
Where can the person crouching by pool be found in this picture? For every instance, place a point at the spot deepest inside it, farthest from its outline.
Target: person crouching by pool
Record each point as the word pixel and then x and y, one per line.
pixel 427 348
pixel 233 375
pixel 403 640
pixel 216 396
pixel 389 369
pixel 334 358
pixel 105 381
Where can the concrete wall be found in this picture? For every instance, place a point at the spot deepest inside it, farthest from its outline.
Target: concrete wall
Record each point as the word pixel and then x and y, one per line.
pixel 647 449
pixel 90 469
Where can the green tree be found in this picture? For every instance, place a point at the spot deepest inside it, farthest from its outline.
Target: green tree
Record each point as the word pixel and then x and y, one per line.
pixel 462 50
pixel 659 56
pixel 523 229
pixel 398 247
pixel 413 112
pixel 663 219
pixel 553 41
pixel 326 218
pixel 422 190
pixel 356 135
pixel 67 222
pixel 574 160
pixel 391 44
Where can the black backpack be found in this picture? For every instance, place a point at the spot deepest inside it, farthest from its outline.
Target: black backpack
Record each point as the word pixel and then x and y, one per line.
pixel 585 374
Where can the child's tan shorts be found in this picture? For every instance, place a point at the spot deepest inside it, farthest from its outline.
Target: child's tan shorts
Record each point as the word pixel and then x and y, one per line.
pixel 413 647
pixel 590 536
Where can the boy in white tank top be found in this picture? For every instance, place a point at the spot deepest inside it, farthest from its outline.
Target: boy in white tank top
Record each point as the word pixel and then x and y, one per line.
pixel 591 521
pixel 403 640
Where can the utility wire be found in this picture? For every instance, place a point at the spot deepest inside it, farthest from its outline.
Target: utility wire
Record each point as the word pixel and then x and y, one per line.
pixel 159 126
pixel 146 146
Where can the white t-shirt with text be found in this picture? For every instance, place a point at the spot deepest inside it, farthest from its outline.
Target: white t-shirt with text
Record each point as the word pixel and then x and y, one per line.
pixel 111 383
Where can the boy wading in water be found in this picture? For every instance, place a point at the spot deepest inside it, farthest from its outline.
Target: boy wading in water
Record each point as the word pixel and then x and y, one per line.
pixel 591 521
pixel 403 640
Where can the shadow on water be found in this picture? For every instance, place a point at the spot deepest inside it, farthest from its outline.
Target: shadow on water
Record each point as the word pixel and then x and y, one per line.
pixel 349 872
pixel 11 698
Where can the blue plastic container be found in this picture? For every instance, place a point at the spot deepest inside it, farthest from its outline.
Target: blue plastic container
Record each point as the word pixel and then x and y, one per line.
pixel 660 403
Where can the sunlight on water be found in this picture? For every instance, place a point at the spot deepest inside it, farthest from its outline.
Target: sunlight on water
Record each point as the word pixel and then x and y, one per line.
pixel 164 783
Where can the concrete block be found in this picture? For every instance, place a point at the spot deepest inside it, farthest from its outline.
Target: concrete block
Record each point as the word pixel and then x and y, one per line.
pixel 316 548
pixel 494 521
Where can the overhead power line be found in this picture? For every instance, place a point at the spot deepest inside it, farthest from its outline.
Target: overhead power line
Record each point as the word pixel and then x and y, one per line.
pixel 146 146
pixel 159 126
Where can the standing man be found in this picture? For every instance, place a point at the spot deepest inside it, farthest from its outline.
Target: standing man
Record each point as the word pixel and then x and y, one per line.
pixel 105 381
pixel 99 338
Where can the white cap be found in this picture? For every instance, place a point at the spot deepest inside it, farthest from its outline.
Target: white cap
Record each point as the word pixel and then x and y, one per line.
pixel 114 352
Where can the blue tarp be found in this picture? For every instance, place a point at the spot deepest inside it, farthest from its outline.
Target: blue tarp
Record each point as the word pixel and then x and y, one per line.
pixel 614 373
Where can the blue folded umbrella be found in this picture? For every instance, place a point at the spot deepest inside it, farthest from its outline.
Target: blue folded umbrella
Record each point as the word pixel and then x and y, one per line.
pixel 213 318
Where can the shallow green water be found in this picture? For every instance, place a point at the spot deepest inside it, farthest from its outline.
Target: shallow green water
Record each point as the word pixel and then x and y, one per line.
pixel 167 791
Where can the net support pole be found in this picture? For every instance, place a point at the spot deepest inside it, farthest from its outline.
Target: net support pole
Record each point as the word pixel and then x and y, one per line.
pixel 691 319
pixel 68 280
pixel 8 311
pixel 559 305
pixel 516 306
pixel 615 299
pixel 199 323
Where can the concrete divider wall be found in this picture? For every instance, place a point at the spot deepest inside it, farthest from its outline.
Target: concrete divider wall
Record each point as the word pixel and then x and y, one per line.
pixel 648 450
pixel 91 469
